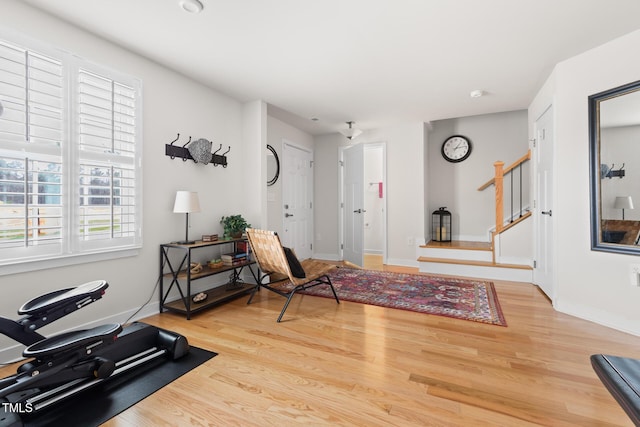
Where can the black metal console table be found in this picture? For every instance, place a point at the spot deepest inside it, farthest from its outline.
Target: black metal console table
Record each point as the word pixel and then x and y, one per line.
pixel 177 258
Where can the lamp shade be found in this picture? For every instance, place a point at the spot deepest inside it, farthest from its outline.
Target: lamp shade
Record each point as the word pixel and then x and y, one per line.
pixel 351 132
pixel 186 202
pixel 623 202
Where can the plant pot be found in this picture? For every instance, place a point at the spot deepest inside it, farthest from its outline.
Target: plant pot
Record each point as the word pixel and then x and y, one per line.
pixel 236 235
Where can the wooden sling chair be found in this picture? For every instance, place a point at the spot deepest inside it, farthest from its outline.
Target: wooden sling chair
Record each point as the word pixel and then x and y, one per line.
pixel 282 267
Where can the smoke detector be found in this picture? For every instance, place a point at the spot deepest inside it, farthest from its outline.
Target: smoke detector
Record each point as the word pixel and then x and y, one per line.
pixel 191 6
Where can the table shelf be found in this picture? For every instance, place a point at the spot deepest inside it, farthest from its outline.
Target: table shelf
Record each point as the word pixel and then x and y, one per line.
pixel 180 277
pixel 208 271
pixel 215 296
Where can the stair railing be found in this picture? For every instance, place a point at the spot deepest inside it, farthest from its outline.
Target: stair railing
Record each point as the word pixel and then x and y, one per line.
pixel 498 180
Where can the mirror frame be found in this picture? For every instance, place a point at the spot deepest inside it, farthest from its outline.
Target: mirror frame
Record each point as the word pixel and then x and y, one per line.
pixel 271 181
pixel 594 169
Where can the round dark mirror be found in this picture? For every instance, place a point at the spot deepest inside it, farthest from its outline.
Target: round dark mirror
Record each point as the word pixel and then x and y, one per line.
pixel 273 165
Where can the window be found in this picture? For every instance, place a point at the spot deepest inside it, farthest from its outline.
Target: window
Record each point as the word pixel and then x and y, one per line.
pixel 70 156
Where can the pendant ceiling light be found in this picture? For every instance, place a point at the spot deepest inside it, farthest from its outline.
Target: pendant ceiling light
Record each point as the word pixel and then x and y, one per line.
pixel 351 132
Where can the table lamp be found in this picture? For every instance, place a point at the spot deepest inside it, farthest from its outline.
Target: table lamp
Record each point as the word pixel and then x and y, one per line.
pixel 186 202
pixel 623 202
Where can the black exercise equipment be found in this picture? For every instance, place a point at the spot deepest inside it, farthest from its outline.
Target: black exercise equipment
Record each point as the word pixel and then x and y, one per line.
pixel 66 364
pixel 45 309
pixel 621 377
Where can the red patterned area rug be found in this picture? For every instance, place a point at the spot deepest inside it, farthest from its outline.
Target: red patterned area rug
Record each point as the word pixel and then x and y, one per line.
pixel 474 300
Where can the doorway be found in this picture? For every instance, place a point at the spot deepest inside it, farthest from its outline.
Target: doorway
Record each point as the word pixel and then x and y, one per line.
pixel 363 198
pixel 297 199
pixel 543 272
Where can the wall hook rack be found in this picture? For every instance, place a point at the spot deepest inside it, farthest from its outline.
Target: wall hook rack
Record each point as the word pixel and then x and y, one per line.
pixel 609 172
pixel 182 152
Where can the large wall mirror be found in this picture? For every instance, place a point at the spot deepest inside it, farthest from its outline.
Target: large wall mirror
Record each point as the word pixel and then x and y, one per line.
pixel 614 134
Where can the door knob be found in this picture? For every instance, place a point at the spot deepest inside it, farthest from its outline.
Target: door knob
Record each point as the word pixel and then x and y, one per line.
pixel 546 212
pixel 287 215
pixel 358 211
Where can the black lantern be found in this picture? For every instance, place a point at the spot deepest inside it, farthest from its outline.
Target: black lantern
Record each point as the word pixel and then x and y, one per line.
pixel 441 225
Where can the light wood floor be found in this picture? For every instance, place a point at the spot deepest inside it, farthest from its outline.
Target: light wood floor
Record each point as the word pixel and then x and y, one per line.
pixel 353 364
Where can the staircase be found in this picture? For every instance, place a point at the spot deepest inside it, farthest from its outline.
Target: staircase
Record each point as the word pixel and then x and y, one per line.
pixel 484 259
pixel 472 259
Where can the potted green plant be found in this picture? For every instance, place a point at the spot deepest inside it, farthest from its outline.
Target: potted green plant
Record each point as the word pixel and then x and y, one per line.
pixel 234 225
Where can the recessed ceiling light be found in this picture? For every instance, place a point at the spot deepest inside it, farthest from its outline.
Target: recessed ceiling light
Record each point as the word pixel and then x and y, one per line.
pixel 476 93
pixel 192 6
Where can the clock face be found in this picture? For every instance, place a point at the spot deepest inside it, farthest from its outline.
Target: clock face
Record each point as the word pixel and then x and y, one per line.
pixel 456 148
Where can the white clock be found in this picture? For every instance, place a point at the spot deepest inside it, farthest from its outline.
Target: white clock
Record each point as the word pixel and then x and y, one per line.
pixel 456 148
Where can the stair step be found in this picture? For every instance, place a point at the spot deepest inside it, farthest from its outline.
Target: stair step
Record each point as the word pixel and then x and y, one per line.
pixel 476 268
pixel 458 249
pixel 459 244
pixel 472 262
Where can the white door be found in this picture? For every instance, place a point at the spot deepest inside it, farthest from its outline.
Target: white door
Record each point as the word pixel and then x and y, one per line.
pixel 543 269
pixel 353 204
pixel 297 199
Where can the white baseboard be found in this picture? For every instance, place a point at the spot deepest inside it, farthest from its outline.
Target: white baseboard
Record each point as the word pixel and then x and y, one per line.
pixel 327 257
pixel 478 271
pixel 608 319
pixel 372 252
pixel 403 262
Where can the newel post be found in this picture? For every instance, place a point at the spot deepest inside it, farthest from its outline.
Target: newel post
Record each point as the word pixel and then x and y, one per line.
pixel 499 178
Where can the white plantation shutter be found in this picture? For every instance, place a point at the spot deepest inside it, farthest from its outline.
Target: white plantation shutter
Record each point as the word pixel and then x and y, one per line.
pixel 70 156
pixel 107 115
pixel 107 151
pixel 32 94
pixel 107 202
pixel 30 203
pixel 32 121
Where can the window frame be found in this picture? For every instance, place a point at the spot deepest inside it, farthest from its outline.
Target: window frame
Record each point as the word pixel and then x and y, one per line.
pixel 72 249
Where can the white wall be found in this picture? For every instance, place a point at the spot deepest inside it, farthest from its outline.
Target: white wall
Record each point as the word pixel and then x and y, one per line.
pixel 326 243
pixel 172 104
pixel 253 188
pixel 499 136
pixel 405 191
pixel 590 284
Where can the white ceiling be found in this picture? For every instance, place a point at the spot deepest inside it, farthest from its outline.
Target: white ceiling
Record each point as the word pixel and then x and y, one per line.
pixel 376 62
